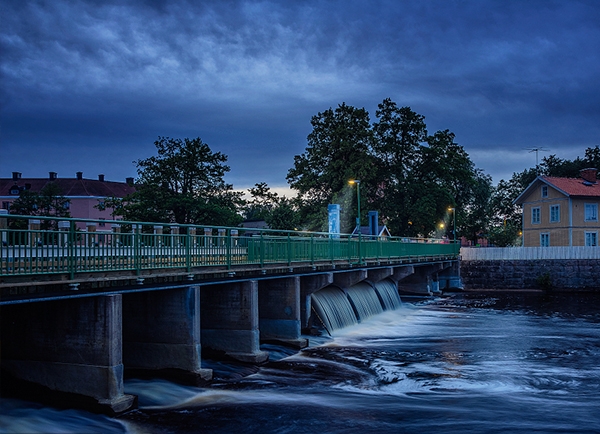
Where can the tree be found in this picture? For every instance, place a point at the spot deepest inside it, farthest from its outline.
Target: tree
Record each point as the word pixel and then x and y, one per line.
pixel 48 202
pixel 411 178
pixel 262 203
pixel 284 215
pixel 182 184
pixel 399 135
pixel 474 220
pixel 338 150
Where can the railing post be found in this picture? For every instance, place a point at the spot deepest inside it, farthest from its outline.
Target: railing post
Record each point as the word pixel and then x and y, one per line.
pixel 188 248
pixel 4 226
pixel 228 248
pixel 262 251
pixel 72 252
pixel 136 248
pixel 312 249
pixel 289 249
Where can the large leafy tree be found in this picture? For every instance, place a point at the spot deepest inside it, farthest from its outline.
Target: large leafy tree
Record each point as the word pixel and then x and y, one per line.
pixel 184 183
pixel 339 149
pixel 399 134
pixel 411 178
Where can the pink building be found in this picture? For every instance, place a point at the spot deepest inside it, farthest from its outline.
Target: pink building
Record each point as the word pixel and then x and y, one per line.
pixel 83 194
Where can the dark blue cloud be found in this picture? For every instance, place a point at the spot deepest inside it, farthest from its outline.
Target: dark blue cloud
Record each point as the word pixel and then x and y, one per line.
pixel 90 85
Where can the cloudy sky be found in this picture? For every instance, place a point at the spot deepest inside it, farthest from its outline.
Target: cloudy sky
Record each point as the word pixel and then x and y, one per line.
pixel 88 86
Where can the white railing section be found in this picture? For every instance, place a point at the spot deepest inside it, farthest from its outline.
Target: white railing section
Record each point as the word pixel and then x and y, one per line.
pixel 527 253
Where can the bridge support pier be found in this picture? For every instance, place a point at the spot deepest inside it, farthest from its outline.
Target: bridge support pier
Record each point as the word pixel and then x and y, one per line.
pixel 229 320
pixel 449 278
pixel 378 274
pixel 279 311
pixel 71 346
pixel 423 281
pixel 161 332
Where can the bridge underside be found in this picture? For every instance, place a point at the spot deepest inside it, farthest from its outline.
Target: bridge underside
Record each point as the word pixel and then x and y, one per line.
pixel 83 344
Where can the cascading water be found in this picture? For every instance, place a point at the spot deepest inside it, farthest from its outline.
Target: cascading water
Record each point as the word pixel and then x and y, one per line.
pixel 388 294
pixel 365 301
pixel 333 308
pixel 336 308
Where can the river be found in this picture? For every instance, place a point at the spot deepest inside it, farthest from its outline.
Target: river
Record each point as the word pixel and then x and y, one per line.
pixel 472 362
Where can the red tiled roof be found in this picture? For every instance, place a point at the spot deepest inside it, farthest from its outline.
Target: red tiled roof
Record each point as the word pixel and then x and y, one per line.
pixel 70 186
pixel 573 186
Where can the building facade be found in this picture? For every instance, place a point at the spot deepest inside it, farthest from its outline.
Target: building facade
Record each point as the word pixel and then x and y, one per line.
pixel 561 211
pixel 83 194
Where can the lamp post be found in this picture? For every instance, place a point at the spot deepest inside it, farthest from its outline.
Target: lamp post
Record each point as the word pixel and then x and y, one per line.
pixel 453 223
pixel 357 182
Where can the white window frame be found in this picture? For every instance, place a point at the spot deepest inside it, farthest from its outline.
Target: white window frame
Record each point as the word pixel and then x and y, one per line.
pixel 544 191
pixel 591 238
pixel 545 239
pixel 535 221
pixel 554 213
pixel 594 210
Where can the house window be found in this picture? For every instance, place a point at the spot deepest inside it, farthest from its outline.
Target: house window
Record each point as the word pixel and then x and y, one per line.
pixel 535 215
pixel 545 239
pixel 67 205
pixel 554 213
pixel 591 239
pixel 591 212
pixel 5 205
pixel 544 191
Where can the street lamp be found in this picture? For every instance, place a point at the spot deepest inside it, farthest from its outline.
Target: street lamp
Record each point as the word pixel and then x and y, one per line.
pixel 357 182
pixel 453 223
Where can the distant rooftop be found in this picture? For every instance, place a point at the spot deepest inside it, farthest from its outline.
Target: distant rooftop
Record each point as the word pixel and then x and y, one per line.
pixel 71 187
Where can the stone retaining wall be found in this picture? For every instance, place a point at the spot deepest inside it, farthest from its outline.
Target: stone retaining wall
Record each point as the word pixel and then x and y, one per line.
pixel 555 274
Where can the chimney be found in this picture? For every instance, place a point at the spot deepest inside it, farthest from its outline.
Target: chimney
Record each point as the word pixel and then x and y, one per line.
pixel 101 178
pixel 129 181
pixel 52 176
pixel 79 175
pixel 589 174
pixel 16 176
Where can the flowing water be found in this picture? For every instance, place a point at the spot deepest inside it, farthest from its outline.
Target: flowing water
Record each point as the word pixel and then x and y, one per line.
pixel 480 363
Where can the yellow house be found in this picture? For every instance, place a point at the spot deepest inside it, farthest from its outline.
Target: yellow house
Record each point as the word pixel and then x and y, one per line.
pixel 561 211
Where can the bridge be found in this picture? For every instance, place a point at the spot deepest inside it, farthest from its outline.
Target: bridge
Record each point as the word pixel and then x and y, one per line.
pixel 83 300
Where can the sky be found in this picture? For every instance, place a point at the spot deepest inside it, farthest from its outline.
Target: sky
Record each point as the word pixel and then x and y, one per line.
pixel 89 86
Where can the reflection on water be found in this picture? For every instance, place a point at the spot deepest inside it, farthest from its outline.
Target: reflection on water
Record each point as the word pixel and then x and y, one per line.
pixel 471 363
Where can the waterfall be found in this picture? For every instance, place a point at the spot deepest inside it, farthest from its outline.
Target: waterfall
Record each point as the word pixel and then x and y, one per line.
pixel 365 301
pixel 388 294
pixel 333 308
pixel 336 308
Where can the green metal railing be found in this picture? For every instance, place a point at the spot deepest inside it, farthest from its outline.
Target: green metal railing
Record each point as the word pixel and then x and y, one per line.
pixel 47 245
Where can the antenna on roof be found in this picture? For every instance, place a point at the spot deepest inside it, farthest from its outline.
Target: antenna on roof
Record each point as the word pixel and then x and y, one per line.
pixel 537 151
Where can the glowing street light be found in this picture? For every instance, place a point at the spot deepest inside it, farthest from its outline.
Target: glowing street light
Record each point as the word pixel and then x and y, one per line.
pixel 453 223
pixel 357 182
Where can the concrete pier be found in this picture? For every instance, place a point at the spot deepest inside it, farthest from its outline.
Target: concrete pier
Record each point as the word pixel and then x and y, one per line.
pixel 279 311
pixel 229 320
pixel 422 281
pixel 161 332
pixel 69 346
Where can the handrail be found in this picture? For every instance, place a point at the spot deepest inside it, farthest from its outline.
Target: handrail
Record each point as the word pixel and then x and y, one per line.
pixel 34 245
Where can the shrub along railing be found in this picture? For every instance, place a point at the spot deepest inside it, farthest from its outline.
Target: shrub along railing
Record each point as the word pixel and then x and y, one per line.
pixel 49 245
